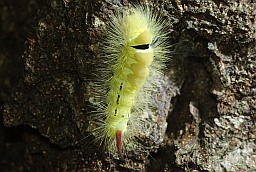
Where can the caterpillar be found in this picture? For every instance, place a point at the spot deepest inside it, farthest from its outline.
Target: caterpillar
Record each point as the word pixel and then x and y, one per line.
pixel 132 56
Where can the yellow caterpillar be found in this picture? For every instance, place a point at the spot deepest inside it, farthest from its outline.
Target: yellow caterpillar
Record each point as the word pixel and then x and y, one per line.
pixel 132 53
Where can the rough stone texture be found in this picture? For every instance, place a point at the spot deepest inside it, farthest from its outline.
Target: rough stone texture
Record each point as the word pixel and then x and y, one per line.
pixel 211 124
pixel 221 133
pixel 16 18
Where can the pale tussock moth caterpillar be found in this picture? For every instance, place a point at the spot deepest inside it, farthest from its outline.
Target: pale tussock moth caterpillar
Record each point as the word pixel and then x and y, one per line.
pixel 131 60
